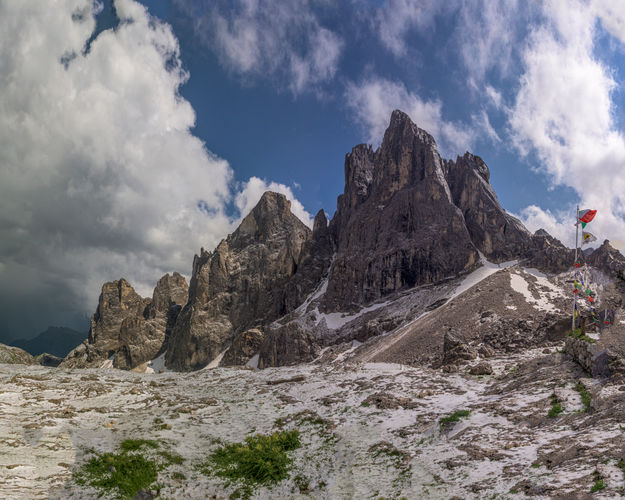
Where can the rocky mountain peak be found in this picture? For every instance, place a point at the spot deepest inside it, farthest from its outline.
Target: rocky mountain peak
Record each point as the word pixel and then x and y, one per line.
pixel 171 289
pixel 402 129
pixel 408 155
pixel 321 222
pixel 128 328
pixel 241 285
pixel 266 219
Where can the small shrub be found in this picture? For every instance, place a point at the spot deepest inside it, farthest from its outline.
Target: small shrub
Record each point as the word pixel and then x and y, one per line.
pixel 577 333
pixel 260 460
pixel 124 474
pixel 599 483
pixel 302 483
pixel 556 407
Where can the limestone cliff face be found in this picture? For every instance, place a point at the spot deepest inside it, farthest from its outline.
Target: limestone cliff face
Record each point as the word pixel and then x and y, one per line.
pixel 497 234
pixel 128 327
pixel 396 225
pixel 240 285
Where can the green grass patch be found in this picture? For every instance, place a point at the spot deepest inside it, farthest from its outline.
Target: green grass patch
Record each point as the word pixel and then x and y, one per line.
pixel 585 395
pixel 259 461
pixel 577 333
pixel 179 476
pixel 453 418
pixel 556 407
pixel 137 444
pixel 171 458
pixel 122 474
pixel 599 483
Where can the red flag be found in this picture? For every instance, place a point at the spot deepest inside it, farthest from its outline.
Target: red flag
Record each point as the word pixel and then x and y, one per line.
pixel 587 215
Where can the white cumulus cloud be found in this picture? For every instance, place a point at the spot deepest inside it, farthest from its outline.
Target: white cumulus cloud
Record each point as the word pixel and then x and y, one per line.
pixel 100 175
pixel 270 39
pixel 373 100
pixel 563 112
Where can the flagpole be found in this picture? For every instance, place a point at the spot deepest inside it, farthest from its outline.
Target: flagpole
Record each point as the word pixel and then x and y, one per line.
pixel 575 295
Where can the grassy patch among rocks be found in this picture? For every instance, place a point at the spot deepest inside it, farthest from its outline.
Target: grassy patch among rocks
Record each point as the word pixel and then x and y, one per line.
pixel 585 395
pixel 123 474
pixel 259 461
pixel 453 418
pixel 556 407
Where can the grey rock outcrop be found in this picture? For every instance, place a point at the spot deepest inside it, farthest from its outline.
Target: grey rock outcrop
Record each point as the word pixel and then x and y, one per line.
pixel 607 258
pixel 497 234
pixel 287 345
pixel 46 359
pixel 129 328
pixel 313 264
pixel 549 255
pixel 15 355
pixel 240 285
pixel 244 347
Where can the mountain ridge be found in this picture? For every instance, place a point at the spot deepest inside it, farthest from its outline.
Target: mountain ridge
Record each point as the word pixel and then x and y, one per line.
pixel 407 218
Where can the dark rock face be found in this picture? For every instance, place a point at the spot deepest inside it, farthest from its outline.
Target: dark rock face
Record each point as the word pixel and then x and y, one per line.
pixel 497 234
pixel 129 327
pixel 46 359
pixel 549 255
pixel 240 285
pixel 396 225
pixel 287 345
pixel 243 348
pixel 313 264
pixel 607 258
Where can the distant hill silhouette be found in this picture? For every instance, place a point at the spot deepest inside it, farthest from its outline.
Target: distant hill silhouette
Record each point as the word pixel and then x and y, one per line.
pixel 56 340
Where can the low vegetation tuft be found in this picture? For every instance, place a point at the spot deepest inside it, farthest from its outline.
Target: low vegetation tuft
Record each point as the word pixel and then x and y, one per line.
pixel 122 474
pixel 453 418
pixel 585 395
pixel 599 483
pixel 556 407
pixel 137 444
pixel 577 333
pixel 260 460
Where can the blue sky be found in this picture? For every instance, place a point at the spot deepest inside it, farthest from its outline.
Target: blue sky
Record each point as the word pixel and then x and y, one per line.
pixel 125 159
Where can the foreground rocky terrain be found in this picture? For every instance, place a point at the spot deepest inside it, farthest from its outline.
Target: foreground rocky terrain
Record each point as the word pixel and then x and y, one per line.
pixel 367 430
pixel 492 408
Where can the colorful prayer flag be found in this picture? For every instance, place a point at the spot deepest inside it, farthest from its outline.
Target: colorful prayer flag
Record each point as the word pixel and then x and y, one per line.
pixel 585 216
pixel 588 237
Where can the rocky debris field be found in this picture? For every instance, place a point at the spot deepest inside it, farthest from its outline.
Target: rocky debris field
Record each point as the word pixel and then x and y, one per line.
pixel 534 427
